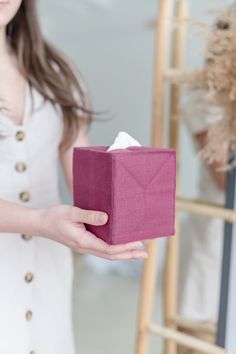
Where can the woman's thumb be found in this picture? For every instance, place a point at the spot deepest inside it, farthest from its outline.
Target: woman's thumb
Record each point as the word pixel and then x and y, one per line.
pixel 91 217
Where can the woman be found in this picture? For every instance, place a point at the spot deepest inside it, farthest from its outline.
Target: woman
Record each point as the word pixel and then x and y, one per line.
pixel 44 112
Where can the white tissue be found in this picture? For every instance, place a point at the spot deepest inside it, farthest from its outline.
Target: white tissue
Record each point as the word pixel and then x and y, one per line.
pixel 122 141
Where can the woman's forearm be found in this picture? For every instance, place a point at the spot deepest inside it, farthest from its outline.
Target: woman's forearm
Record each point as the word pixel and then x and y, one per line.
pixel 17 218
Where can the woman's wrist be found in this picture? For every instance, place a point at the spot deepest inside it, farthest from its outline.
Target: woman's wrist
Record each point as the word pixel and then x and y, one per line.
pixel 30 221
pixel 17 218
pixel 35 223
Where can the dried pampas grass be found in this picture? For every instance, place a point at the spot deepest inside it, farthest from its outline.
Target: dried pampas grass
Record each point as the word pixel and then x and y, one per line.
pixel 218 77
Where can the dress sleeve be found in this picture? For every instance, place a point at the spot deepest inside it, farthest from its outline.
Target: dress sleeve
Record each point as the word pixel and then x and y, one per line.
pixel 197 112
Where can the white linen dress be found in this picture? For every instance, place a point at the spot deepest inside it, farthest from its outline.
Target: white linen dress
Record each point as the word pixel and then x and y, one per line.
pixel 35 273
pixel 201 237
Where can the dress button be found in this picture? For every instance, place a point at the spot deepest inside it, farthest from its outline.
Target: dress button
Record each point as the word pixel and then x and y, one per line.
pixel 29 315
pixel 20 166
pixel 24 196
pixel 26 237
pixel 29 277
pixel 20 135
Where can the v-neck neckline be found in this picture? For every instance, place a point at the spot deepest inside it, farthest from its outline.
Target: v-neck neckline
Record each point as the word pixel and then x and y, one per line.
pixel 25 110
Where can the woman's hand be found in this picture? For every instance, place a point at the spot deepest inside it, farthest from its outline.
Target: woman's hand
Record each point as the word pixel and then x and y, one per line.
pixel 69 221
pixel 65 224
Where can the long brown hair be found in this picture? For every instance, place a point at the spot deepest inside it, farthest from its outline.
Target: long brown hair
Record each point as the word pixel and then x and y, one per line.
pixel 48 71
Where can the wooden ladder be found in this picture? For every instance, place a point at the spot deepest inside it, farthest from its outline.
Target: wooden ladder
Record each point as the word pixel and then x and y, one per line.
pixel 171 40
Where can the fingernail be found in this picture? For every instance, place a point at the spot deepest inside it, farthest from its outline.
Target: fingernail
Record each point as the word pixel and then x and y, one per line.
pixel 143 256
pixel 139 245
pixel 103 218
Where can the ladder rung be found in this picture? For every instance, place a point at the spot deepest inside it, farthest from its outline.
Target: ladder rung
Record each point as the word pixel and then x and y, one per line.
pixel 186 340
pixel 208 209
pixel 194 325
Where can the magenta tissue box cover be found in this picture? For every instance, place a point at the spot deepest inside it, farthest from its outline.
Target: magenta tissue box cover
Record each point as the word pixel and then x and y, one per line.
pixel 134 186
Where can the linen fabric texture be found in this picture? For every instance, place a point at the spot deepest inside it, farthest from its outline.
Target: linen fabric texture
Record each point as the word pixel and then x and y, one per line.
pixel 134 186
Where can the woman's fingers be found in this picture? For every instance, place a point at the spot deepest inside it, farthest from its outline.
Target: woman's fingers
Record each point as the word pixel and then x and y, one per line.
pixel 94 243
pixel 91 217
pixel 91 242
pixel 135 254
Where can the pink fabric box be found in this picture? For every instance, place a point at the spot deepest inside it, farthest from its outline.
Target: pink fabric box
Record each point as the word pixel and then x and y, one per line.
pixel 134 186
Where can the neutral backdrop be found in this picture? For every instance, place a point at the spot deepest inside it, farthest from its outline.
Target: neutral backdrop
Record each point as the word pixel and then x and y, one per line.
pixel 112 42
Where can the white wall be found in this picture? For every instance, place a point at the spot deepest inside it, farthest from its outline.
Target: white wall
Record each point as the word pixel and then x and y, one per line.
pixel 114 48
